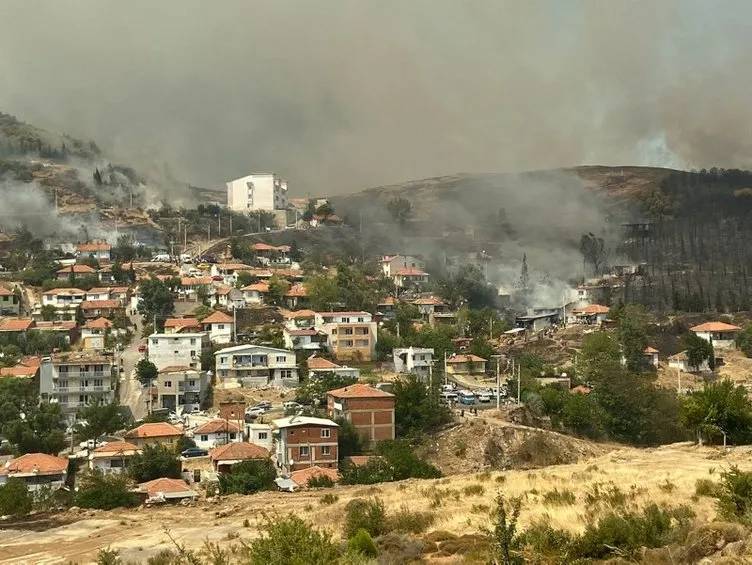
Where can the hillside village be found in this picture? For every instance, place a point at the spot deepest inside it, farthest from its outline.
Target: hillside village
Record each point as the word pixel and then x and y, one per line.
pixel 136 376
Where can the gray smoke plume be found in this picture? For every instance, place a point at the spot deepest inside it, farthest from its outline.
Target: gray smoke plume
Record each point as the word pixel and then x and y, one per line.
pixel 340 95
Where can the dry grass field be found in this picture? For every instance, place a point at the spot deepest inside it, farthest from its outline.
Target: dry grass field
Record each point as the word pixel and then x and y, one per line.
pixel 460 503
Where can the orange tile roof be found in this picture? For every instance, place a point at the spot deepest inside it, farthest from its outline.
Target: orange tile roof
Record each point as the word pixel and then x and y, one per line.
pixel 258 287
pixel 321 363
pixel 715 327
pixel 94 246
pixel 263 247
pixel 300 314
pixel 15 324
pixel 37 463
pixel 196 281
pixel 410 272
pixel 650 350
pixel 388 301
pixel 302 476
pixel 222 289
pixel 462 358
pixel 238 451
pixel 98 324
pixel 182 323
pixel 5 292
pixel 217 317
pixel 55 325
pixel 297 290
pixel 117 447
pixel 66 291
pixel 166 485
pixel 591 309
pixel 216 427
pixel 431 300
pixel 177 369
pixel 98 304
pixel 360 460
pixel 359 390
pixel 27 367
pixel 77 269
pixel 151 430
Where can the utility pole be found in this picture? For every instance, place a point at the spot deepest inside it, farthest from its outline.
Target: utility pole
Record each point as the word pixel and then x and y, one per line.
pixel 234 324
pixel 230 224
pixel 519 377
pixel 446 377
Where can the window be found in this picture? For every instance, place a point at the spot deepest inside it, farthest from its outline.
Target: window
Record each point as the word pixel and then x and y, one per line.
pixel 193 341
pixel 223 360
pixel 361 319
pixel 193 352
pixel 168 384
pixel 326 432
pixel 220 326
pixel 232 435
pixel 325 450
pixel 191 383
pixel 116 463
pixel 262 435
pixel 285 373
pixel 197 475
pixel 305 451
pixel 348 331
pixel 204 438
pixel 347 343
pixel 281 359
pixel 98 382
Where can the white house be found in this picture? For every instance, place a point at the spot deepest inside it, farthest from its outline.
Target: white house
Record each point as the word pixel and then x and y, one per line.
pixel 681 363
pixel 409 277
pixel 260 434
pixel 259 191
pixel 10 302
pixel 594 314
pixel 217 432
pixel 255 293
pixel 99 250
pixel 221 327
pixel 417 360
pixel 651 355
pixel 350 335
pixel 94 332
pixel 391 263
pixel 112 457
pixel 720 334
pixel 181 349
pixel 318 366
pixel 64 300
pixel 229 271
pixel 309 339
pixel 181 389
pixel 37 470
pixel 257 365
pixel 76 379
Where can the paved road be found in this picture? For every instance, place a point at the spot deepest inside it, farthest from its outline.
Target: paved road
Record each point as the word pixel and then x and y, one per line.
pixel 131 391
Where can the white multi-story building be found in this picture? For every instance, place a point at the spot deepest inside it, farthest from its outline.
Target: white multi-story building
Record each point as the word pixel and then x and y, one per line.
pixel 181 389
pixel 350 335
pixel 416 360
pixel 260 191
pixel 257 365
pixel 76 379
pixel 65 301
pixel 177 350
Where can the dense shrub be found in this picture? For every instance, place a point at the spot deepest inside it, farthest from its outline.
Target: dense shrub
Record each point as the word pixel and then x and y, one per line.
pixel 395 462
pixel 368 515
pixel 734 494
pixel 248 477
pixel 706 487
pixel 154 462
pixel 320 481
pixel 15 499
pixel 290 541
pixel 558 497
pixel 362 543
pixel 411 522
pixel 97 490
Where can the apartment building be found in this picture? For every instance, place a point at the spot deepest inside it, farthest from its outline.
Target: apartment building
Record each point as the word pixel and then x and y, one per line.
pixel 302 442
pixel 177 350
pixel 181 389
pixel 258 191
pixel 77 379
pixel 369 409
pixel 257 365
pixel 350 335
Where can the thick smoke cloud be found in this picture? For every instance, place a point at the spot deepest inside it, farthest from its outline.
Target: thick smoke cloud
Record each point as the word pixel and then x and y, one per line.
pixel 341 95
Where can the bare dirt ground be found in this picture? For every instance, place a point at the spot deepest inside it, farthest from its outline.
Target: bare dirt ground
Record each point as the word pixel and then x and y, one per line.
pixel 665 475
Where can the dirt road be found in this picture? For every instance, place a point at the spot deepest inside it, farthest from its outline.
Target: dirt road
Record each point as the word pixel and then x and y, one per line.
pixel 131 391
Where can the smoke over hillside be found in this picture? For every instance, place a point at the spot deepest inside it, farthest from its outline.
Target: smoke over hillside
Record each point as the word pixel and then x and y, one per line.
pixel 338 96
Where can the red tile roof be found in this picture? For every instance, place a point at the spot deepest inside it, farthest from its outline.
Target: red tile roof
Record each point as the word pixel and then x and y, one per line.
pixel 462 358
pixel 15 324
pixel 715 327
pixel 66 325
pixel 217 317
pixel 304 331
pixel 27 367
pixel 196 281
pixel 300 314
pixel 98 324
pixel 77 269
pixel 5 292
pixel 359 390
pixel 650 350
pixel 258 287
pixel 64 291
pixel 94 246
pixel 592 309
pixel 302 476
pixel 238 451
pixel 166 486
pixel 36 463
pixel 321 363
pixel 216 427
pixel 117 447
pixel 410 272
pixel 182 323
pixel 297 290
pixel 151 430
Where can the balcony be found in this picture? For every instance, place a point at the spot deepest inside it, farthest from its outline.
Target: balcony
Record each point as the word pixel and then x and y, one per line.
pixel 77 389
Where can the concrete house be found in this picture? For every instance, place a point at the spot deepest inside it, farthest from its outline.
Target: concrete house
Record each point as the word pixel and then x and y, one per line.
pixel 65 300
pixel 369 409
pixel 77 379
pixel 720 334
pixel 309 339
pixel 181 389
pixel 101 308
pixel 406 277
pixel 257 191
pixel 257 365
pixel 217 432
pixel 318 366
pixel 680 362
pixel 225 456
pixel 593 314
pixel 177 350
pixel 182 325
pixel 260 434
pixel 255 293
pixel 430 305
pixel 112 457
pixel 391 263
pixel 94 332
pixel 416 360
pixel 189 287
pixel 74 272
pixel 10 304
pixel 37 470
pixel 351 335
pixel 165 490
pixel 651 356
pixel 220 326
pixel 303 441
pixel 99 250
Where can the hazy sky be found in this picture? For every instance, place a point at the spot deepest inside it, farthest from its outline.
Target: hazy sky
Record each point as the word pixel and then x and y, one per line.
pixel 342 95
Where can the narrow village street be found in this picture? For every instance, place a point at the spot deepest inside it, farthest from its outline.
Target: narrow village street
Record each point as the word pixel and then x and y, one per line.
pixel 131 392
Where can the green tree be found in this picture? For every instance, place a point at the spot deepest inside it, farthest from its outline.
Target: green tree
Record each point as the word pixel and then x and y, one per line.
pixel 718 407
pixel 248 477
pixel 503 536
pixel 632 332
pixel 400 209
pixel 49 312
pixel 104 492
pixel 349 440
pixel 278 287
pixel 598 357
pixel 314 390
pixel 98 420
pixel 698 351
pixel 146 371
pixel 156 301
pixel 15 499
pixel 36 428
pixel 417 408
pixel 154 462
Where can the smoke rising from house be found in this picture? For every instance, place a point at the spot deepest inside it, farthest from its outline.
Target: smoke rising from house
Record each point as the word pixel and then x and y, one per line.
pixel 338 96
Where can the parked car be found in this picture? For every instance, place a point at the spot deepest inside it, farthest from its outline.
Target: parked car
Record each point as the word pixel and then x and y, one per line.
pixel 255 412
pixel 484 396
pixel 466 397
pixel 292 405
pixel 194 452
